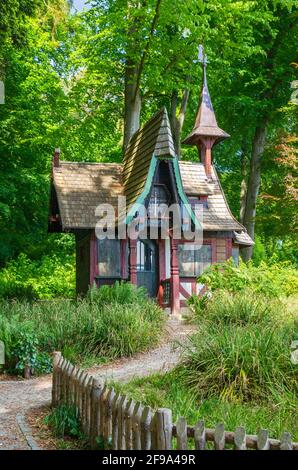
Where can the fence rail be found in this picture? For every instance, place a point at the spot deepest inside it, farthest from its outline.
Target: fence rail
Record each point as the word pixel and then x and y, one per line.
pixel 122 424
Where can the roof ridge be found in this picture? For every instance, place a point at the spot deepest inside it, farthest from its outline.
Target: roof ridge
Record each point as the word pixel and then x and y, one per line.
pixel 63 162
pixel 162 111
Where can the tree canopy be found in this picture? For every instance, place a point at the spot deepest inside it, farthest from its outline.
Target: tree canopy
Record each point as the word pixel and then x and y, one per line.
pixel 84 81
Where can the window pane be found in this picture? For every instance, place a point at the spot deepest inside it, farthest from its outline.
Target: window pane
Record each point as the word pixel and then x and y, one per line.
pixel 186 259
pixel 109 259
pixel 192 260
pixel 235 255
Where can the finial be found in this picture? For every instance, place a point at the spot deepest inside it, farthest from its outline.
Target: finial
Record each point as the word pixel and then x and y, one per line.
pixel 202 56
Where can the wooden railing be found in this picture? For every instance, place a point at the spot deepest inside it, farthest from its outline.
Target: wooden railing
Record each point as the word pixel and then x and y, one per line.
pixel 117 422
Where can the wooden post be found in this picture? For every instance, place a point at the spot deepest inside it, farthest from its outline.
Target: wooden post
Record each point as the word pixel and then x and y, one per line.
pixel 286 441
pixel 240 438
pixel 102 408
pixel 136 426
pixel 56 359
pixel 263 440
pixel 121 426
pixel 163 429
pixel 181 428
pixel 200 436
pixel 128 424
pixel 146 420
pixel 175 300
pixel 133 261
pixel 69 371
pixel 62 382
pixel 219 437
pixel 88 391
pixel 94 419
pixel 107 425
pixel 115 404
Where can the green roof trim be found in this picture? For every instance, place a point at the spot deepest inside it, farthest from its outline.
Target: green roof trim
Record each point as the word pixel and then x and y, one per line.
pixel 141 198
pixel 147 188
pixel 183 196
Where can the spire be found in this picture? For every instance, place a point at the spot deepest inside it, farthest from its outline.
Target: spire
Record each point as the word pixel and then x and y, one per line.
pixel 205 124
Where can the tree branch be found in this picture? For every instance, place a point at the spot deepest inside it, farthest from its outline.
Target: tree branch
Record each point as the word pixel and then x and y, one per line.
pixel 146 49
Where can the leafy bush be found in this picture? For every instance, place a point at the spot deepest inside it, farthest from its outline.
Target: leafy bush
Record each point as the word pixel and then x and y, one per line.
pixel 49 277
pixel 271 280
pixel 64 421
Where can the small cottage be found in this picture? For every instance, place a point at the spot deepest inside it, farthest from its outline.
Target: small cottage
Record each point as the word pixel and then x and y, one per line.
pixel 150 175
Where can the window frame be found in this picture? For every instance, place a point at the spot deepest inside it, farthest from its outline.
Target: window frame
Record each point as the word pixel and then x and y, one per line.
pixel 209 242
pixel 101 275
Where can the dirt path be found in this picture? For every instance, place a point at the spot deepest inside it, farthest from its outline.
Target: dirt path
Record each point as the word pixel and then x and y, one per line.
pixel 16 397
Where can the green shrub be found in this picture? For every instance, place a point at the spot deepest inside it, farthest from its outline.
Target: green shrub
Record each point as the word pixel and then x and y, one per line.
pixel 64 421
pixel 271 280
pixel 38 279
pixel 240 362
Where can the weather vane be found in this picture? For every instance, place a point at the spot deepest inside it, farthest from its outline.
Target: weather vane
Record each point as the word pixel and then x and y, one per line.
pixel 202 56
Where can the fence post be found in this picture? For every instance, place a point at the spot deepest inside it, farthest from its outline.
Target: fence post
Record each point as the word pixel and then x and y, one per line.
pixel 128 424
pixel 88 406
pixel 115 422
pixel 94 419
pixel 121 425
pixel 56 359
pixel 263 440
pixel 286 441
pixel 108 414
pixel 219 437
pixel 136 426
pixel 146 420
pixel 163 429
pixel 181 428
pixel 240 438
pixel 200 435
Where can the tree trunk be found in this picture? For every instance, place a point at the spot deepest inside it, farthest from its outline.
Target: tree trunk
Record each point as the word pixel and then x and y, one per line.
pixel 253 188
pixel 178 121
pixel 133 73
pixel 133 102
pixel 243 187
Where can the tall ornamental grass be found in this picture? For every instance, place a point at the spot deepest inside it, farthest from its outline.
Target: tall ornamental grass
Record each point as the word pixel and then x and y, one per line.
pixel 100 326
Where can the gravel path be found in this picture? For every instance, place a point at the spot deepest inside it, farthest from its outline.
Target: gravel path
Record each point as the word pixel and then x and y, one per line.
pixel 16 397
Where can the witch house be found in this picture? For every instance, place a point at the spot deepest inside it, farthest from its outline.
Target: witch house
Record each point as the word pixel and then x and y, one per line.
pixel 150 173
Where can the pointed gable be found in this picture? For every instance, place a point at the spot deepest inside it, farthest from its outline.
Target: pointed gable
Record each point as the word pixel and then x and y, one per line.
pixel 152 141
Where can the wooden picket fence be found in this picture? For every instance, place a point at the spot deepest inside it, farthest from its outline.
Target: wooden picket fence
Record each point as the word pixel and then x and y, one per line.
pixel 121 424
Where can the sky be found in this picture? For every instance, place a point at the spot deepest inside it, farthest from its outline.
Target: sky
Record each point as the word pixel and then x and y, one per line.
pixel 79 4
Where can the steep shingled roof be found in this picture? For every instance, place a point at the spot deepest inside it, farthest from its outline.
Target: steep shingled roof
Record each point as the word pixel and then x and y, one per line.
pixel 81 187
pixel 155 138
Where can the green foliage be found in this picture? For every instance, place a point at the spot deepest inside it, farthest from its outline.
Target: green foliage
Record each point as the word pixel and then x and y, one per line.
pixel 95 329
pixel 240 362
pixel 120 293
pixel 236 308
pixel 168 391
pixel 49 277
pixel 235 369
pixel 64 421
pixel 280 279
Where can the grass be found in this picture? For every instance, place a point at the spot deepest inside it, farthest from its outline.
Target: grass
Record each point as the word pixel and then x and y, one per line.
pixel 236 368
pixel 88 330
pixel 166 391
